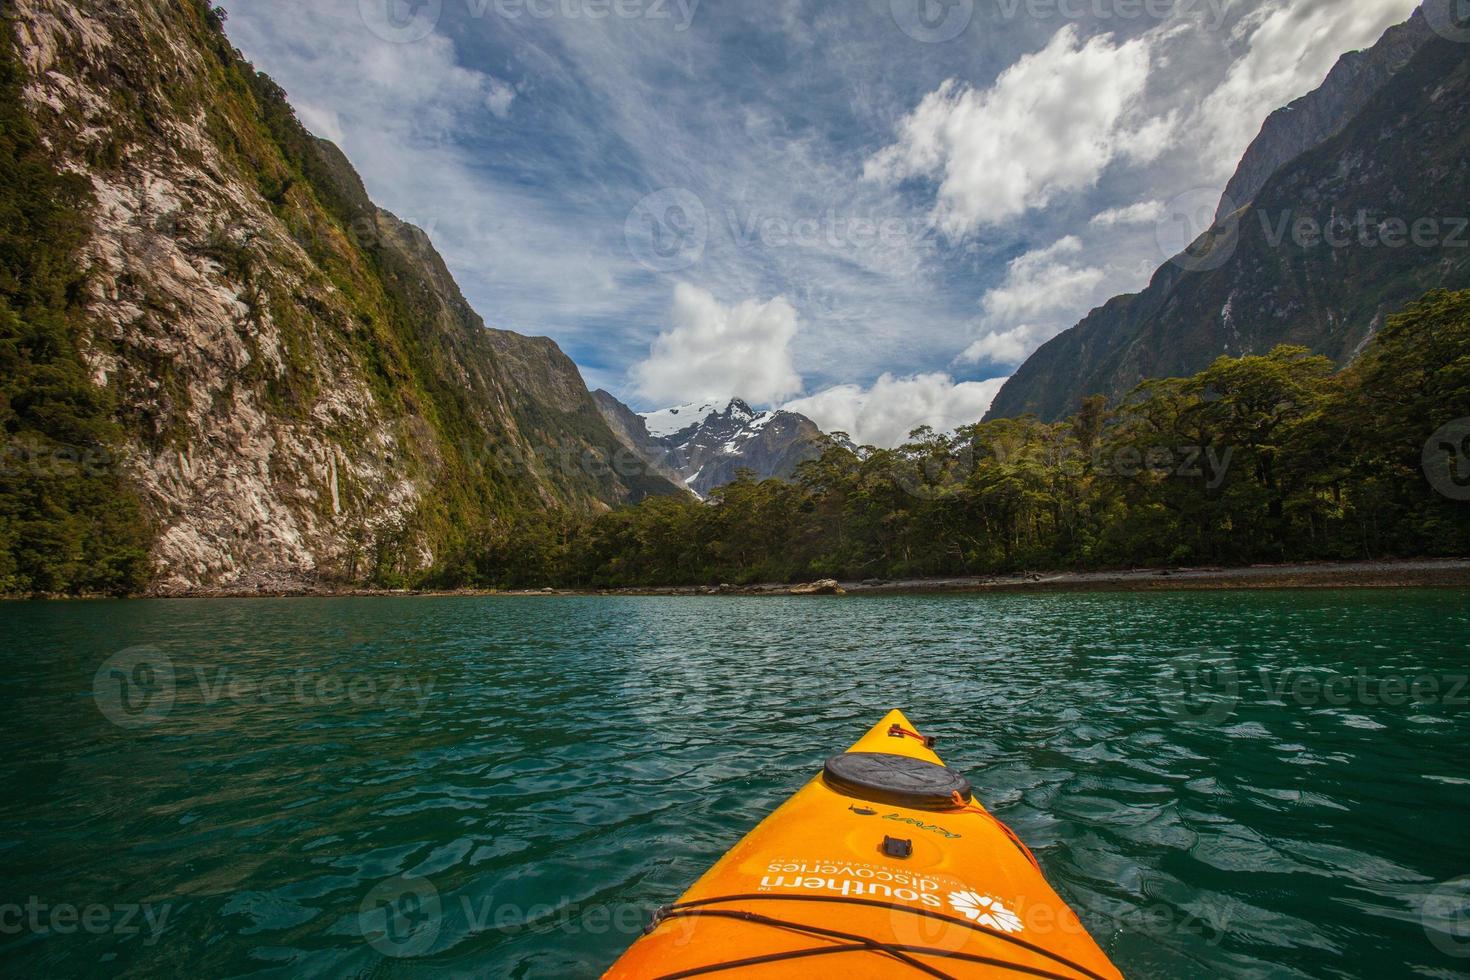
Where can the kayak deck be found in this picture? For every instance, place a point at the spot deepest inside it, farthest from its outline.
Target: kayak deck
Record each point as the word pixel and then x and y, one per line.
pixel 837 879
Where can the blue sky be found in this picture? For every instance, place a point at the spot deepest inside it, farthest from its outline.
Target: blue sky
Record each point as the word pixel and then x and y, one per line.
pixel 870 210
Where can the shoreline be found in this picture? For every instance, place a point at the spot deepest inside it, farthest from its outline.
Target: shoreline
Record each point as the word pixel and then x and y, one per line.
pixel 1405 573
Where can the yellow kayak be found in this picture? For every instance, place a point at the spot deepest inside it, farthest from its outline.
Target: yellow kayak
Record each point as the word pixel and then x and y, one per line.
pixel 881 866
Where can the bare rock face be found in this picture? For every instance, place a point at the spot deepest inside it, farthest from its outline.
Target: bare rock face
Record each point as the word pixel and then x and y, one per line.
pixel 307 395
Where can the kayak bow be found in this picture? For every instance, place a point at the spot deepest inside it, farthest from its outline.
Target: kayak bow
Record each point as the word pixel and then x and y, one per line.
pixel 882 866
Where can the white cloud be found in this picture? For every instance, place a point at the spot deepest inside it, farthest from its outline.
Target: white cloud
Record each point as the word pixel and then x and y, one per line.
pixel 1142 213
pixel 1043 281
pixel 498 98
pixel 1292 46
pixel 715 351
pixel 1047 290
pixel 884 414
pixel 321 122
pixel 1050 125
pixel 1005 346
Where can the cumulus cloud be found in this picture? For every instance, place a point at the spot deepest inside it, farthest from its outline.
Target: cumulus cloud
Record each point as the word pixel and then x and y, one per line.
pixel 885 413
pixel 1043 292
pixel 1291 46
pixel 1050 125
pixel 715 351
pixel 1009 347
pixel 1043 281
pixel 1142 213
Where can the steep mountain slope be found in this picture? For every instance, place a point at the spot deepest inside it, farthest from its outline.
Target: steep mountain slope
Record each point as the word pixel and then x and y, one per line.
pixel 631 429
pixel 1335 240
pixel 1321 114
pixel 302 392
pixel 707 446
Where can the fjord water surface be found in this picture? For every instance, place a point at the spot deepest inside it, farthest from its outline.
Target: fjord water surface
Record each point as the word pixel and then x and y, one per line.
pixel 1223 784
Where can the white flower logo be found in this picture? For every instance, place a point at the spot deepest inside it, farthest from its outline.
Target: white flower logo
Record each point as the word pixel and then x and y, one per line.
pixel 985 910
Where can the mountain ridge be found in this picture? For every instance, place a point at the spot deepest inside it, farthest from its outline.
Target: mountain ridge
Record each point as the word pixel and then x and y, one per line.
pixel 303 393
pixel 1253 281
pixel 707 446
pixel 1322 113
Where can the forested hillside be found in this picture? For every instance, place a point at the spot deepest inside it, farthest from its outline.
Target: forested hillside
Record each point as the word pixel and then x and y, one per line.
pixel 1264 458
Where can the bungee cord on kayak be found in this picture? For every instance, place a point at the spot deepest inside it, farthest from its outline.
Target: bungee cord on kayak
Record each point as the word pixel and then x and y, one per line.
pixel 887 853
pixel 701 906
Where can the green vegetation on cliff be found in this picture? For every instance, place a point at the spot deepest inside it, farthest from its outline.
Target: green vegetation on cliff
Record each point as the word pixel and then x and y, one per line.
pixel 407 445
pixel 67 520
pixel 218 352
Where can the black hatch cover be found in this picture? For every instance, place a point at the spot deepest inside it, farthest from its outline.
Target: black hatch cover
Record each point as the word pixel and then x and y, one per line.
pixel 895 779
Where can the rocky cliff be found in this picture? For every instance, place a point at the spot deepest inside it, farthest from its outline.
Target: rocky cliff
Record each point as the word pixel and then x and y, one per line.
pixel 301 392
pixel 1321 114
pixel 1334 241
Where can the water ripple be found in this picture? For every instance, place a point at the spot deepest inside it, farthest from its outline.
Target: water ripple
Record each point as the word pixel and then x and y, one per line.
pixel 555 768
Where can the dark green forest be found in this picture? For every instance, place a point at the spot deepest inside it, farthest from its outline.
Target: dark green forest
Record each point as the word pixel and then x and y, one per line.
pixel 67 520
pixel 1265 458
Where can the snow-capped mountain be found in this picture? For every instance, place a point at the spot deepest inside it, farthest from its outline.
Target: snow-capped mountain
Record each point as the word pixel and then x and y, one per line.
pixel 666 422
pixel 705 444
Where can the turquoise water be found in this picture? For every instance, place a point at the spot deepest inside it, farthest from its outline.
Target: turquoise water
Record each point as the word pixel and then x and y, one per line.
pixel 1213 780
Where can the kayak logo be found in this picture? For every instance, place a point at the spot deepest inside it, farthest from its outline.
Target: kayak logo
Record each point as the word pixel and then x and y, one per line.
pixel 985 910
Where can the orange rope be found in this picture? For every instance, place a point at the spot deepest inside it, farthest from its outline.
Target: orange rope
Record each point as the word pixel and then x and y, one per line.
pixel 965 807
pixel 898 731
